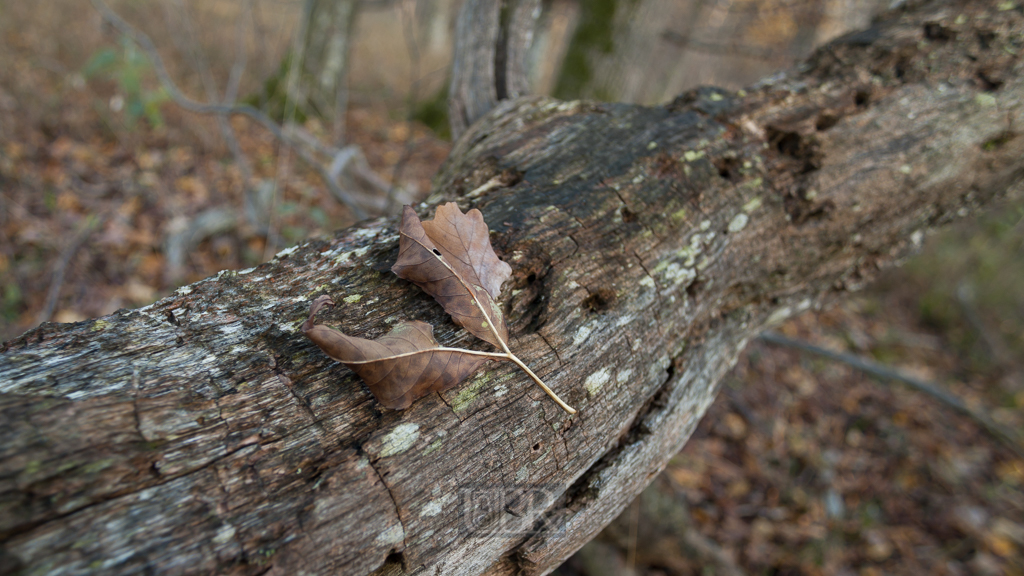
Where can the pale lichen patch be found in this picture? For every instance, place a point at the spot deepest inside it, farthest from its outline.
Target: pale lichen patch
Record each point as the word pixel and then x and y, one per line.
pixel 319 289
pixel 779 315
pixel 523 474
pixel 752 204
pixel 400 439
pixel 469 392
pixel 436 443
pixel 286 252
pixel 582 334
pixel 624 375
pixel 365 233
pixel 224 534
pixel 751 184
pixel 739 222
pixel 680 275
pixel 353 298
pixel 392 535
pixel 99 325
pixel 595 381
pixel 985 100
pixel 917 238
pixel 691 155
pixel 432 508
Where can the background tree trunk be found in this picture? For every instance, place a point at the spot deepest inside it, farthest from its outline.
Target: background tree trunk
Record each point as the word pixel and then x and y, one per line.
pixel 314 75
pixel 204 434
pixel 647 51
pixel 492 42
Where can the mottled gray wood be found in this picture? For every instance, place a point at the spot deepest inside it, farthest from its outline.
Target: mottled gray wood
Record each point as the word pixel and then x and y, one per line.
pixel 203 434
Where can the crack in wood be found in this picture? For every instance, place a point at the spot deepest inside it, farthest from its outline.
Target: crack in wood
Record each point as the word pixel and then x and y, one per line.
pixel 135 403
pixel 552 348
pixel 398 510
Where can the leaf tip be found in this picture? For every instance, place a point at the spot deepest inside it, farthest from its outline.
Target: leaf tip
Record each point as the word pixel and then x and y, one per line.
pixel 320 302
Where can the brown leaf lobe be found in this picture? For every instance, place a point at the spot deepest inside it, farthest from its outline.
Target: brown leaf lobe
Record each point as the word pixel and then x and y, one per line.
pixel 451 258
pixel 399 367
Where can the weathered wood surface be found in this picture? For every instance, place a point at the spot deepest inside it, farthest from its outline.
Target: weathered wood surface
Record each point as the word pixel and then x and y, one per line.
pixel 203 434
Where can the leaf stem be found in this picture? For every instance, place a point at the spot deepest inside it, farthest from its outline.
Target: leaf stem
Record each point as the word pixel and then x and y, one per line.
pixel 541 383
pixel 496 355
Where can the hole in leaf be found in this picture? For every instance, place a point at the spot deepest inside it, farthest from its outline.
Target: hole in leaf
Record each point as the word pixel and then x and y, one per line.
pixel 862 98
pixel 437 252
pixel 627 215
pixel 531 278
pixel 536 447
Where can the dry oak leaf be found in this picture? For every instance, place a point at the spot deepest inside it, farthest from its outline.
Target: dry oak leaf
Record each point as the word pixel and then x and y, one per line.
pixel 399 367
pixel 450 258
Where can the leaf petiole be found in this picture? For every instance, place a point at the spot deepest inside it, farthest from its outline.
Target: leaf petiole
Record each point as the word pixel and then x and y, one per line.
pixel 541 383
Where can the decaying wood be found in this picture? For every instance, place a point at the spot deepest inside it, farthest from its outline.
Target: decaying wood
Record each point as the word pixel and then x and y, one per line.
pixel 205 434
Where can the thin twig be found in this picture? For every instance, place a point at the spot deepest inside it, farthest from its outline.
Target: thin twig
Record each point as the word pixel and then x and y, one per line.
pixel 85 230
pixel 209 86
pixel 991 342
pixel 883 372
pixel 634 529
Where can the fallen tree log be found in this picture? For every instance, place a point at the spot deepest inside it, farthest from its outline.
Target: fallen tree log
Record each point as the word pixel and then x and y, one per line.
pixel 205 434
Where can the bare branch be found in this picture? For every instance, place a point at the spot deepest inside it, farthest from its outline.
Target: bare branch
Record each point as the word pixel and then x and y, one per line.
pixel 53 294
pixel 191 105
pixel 885 373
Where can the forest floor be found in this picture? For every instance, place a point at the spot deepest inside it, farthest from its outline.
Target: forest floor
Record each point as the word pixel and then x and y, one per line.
pixel 802 466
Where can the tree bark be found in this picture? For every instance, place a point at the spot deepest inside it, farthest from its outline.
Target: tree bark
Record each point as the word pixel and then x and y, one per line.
pixel 203 434
pixel 316 81
pixel 492 42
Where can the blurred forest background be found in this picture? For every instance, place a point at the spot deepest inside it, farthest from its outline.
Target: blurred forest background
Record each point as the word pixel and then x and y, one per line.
pixel 112 195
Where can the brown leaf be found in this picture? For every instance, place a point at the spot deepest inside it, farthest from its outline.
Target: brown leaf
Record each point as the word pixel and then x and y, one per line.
pixel 401 366
pixel 451 258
